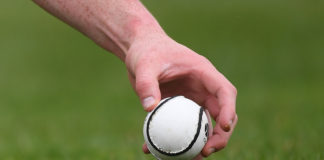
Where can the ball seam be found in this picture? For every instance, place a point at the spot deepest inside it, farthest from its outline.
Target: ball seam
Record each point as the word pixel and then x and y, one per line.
pixel 191 143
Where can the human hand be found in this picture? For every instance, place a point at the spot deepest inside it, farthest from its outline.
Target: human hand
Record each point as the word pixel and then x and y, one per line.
pixel 159 67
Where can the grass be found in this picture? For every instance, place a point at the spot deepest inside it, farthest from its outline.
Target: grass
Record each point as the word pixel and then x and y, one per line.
pixel 62 97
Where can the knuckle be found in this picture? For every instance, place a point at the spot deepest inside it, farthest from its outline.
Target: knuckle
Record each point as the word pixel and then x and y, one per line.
pixel 142 85
pixel 230 89
pixel 233 89
pixel 222 144
pixel 203 58
pixel 206 62
pixel 201 61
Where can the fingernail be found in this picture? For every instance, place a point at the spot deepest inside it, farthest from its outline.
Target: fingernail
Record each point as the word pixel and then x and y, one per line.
pixel 148 102
pixel 228 126
pixel 211 150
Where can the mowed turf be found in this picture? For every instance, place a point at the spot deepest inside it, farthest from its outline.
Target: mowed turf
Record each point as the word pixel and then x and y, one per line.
pixel 62 97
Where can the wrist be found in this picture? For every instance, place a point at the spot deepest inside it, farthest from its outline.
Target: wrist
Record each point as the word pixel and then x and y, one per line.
pixel 141 30
pixel 133 23
pixel 136 32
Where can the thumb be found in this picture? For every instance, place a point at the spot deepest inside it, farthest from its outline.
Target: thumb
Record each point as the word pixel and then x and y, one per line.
pixel 147 88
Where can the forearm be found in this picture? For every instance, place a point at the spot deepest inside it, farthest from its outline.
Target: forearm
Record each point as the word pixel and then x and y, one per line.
pixel 112 24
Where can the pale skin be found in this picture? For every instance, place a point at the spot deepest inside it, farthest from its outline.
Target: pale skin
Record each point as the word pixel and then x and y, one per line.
pixel 158 66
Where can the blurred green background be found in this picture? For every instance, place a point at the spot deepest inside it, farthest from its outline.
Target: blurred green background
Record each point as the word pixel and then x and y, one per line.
pixel 63 97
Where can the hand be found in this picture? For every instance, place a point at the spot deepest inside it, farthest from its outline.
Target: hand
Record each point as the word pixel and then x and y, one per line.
pixel 159 67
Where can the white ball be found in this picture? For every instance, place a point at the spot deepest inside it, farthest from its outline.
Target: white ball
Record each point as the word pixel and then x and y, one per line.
pixel 176 129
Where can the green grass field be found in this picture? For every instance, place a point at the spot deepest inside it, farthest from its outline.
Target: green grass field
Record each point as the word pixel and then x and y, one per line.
pixel 62 97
